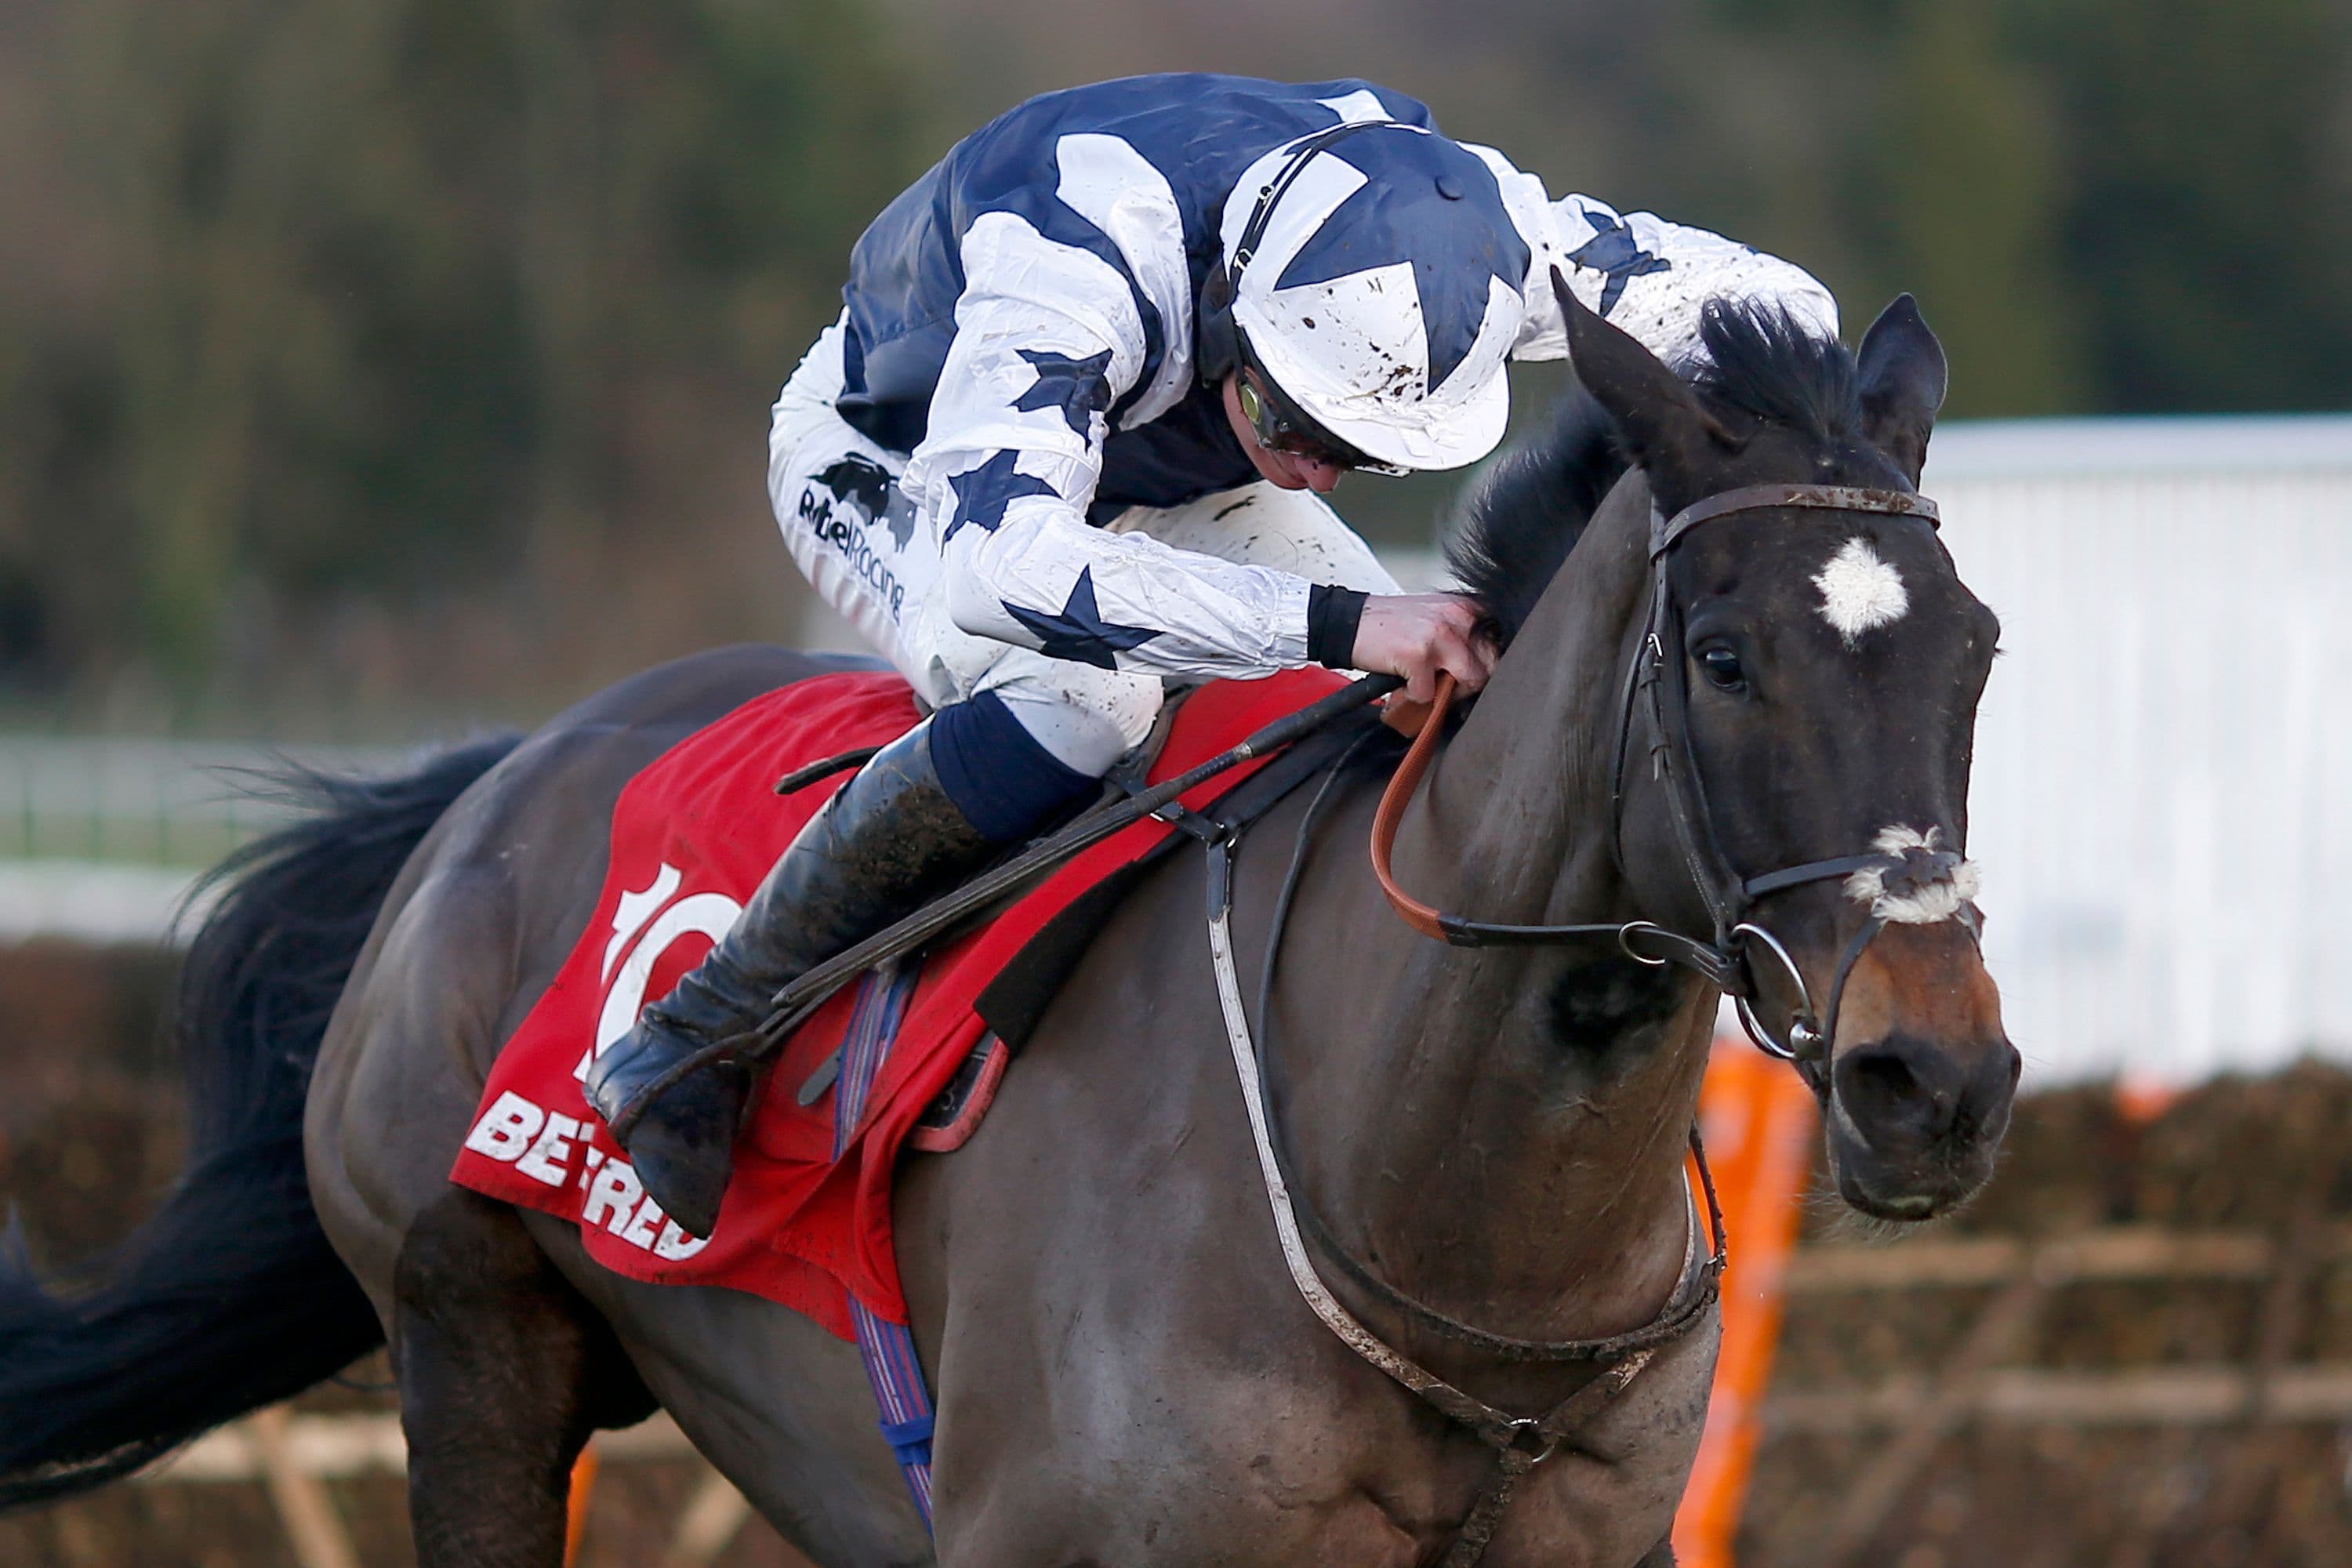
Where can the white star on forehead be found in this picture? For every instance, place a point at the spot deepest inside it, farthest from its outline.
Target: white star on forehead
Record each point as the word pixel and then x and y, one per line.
pixel 1860 592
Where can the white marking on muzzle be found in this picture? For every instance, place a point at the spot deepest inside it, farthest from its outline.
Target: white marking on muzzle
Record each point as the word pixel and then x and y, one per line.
pixel 1860 592
pixel 1937 901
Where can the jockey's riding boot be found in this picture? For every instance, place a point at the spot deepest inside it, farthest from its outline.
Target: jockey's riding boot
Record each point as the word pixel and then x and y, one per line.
pixel 887 841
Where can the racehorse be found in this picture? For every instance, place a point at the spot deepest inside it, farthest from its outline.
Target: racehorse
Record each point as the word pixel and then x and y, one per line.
pixel 1493 1135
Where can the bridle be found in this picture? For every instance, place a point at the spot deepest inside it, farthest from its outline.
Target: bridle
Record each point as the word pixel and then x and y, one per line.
pixel 1654 679
pixel 1658 680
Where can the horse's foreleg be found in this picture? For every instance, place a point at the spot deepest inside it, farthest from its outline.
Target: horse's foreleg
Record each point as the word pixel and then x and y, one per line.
pixel 503 1372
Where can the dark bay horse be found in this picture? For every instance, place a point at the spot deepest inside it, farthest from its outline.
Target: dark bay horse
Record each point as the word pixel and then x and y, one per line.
pixel 1123 1370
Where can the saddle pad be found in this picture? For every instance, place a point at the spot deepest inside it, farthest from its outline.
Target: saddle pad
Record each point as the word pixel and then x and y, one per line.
pixel 692 837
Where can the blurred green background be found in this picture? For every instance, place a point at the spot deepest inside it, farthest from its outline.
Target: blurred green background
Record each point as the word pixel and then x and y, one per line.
pixel 371 363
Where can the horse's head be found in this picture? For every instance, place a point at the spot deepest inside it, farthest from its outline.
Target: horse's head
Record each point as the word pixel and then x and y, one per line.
pixel 1823 666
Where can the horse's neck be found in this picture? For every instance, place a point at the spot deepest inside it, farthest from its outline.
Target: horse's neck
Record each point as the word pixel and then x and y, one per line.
pixel 1485 1160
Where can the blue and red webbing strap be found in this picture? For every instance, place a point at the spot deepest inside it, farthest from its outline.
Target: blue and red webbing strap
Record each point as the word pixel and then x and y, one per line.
pixel 886 1348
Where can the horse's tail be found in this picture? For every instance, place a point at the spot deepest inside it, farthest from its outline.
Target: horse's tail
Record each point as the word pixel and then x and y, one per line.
pixel 230 1296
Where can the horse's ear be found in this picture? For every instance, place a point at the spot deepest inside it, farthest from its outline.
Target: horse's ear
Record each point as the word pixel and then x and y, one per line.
pixel 1664 429
pixel 1902 379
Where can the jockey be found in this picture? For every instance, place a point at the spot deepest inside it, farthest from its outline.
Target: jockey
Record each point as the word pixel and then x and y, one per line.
pixel 1068 443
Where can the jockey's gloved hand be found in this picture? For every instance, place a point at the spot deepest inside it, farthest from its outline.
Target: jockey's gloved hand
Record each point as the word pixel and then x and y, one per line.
pixel 1418 634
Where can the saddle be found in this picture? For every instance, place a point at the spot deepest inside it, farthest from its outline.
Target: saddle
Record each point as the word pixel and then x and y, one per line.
pixel 938 1007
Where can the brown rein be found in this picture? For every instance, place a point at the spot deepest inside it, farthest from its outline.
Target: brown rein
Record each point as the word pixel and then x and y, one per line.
pixel 1422 918
pixel 1645 941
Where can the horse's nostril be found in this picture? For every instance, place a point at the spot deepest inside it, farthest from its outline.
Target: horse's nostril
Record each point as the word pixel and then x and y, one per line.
pixel 1908 1089
pixel 1884 1092
pixel 1877 1077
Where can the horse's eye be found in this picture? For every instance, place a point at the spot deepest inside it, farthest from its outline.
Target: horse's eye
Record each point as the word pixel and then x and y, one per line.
pixel 1722 666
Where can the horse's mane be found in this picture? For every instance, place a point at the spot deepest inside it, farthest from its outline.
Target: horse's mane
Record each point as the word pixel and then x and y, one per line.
pixel 1532 506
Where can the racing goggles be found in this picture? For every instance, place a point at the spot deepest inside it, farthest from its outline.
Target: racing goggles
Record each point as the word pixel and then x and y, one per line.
pixel 1282 428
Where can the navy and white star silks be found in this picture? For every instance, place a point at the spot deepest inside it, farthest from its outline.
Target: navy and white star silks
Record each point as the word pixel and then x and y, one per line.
pixel 981 494
pixel 1613 251
pixel 1077 387
pixel 1023 320
pixel 1079 631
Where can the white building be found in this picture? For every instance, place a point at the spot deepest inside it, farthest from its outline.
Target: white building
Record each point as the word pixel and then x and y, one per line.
pixel 2164 759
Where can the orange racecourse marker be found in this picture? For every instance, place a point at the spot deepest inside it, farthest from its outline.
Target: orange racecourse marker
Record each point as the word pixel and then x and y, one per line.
pixel 1758 1119
pixel 584 1491
pixel 2140 1100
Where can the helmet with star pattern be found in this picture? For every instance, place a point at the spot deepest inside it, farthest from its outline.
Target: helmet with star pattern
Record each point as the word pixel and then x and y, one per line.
pixel 1373 278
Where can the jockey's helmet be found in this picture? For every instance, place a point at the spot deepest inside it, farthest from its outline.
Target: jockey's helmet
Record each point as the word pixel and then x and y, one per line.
pixel 1371 276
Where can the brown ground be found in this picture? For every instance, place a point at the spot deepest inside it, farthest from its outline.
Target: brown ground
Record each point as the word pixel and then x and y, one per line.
pixel 89 1133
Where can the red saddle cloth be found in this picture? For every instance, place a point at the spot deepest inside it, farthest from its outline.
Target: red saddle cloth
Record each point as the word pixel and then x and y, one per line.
pixel 692 837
